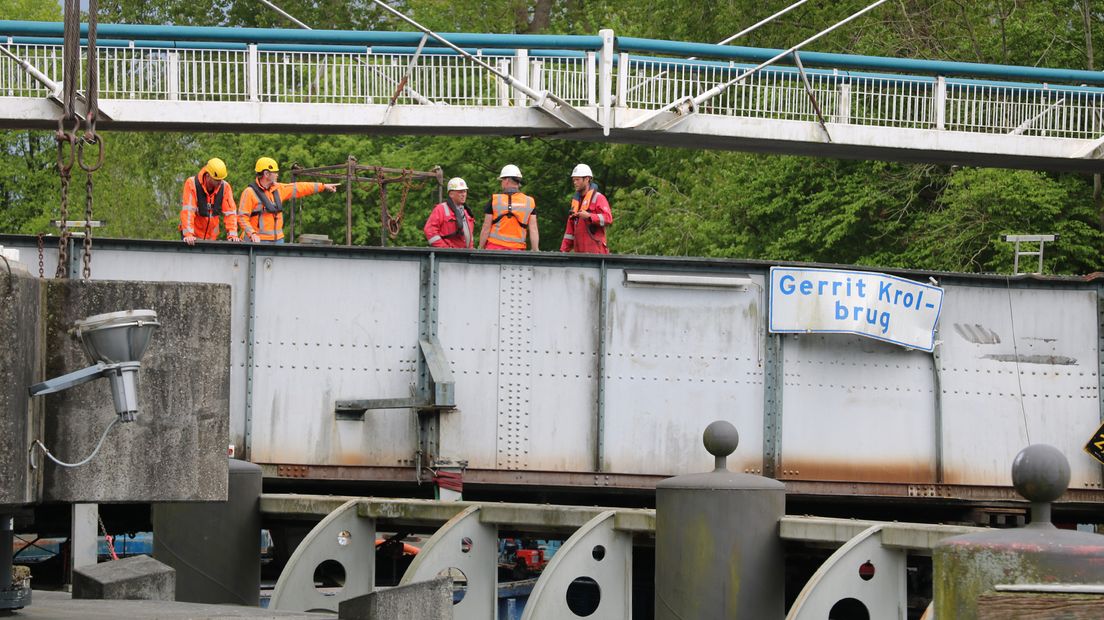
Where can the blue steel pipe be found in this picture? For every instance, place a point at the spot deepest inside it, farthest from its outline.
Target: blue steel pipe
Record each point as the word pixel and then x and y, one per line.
pixel 874 63
pixel 288 36
pixel 299 36
pixel 854 77
pixel 288 47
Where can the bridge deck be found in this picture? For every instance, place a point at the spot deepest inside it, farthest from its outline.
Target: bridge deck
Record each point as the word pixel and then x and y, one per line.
pixel 590 88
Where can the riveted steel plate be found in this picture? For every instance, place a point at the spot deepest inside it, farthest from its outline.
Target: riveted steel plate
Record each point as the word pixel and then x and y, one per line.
pixel 677 359
pixel 1050 366
pixel 856 409
pixel 338 329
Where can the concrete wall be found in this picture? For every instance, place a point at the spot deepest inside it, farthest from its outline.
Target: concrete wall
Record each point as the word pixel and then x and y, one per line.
pixel 176 450
pixel 20 362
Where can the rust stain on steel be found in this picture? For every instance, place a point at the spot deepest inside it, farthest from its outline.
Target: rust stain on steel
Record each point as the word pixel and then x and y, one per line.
pixel 292 471
pixel 640 482
pixel 977 334
pixel 857 471
pixel 1050 360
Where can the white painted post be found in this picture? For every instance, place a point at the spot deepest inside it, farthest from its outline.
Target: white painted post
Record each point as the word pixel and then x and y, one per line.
pixel 503 88
pixel 536 75
pixel 252 69
pixel 521 74
pixel 82 540
pixel 940 102
pixel 622 79
pixel 843 114
pixel 591 78
pixel 173 76
pixel 605 84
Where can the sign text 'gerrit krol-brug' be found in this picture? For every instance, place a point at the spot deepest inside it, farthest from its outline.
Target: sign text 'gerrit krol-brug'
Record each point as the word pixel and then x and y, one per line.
pixel 837 301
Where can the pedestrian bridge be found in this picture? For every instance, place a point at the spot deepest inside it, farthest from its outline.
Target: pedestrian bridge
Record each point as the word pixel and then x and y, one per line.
pixel 603 87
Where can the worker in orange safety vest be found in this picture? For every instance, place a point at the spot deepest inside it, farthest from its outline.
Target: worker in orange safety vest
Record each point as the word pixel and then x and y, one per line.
pixel 590 215
pixel 509 216
pixel 450 224
pixel 260 208
pixel 206 195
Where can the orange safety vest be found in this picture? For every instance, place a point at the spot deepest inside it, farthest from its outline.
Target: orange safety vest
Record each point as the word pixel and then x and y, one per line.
pixel 510 213
pixel 267 216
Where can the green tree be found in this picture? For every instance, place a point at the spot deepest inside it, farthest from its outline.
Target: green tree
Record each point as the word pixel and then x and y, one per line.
pixel 665 201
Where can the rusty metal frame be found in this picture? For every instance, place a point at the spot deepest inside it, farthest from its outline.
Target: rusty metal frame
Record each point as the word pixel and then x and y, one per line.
pixel 349 173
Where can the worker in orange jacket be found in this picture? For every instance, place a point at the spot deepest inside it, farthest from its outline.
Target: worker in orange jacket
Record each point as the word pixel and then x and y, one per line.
pixel 260 208
pixel 589 217
pixel 510 216
pixel 205 195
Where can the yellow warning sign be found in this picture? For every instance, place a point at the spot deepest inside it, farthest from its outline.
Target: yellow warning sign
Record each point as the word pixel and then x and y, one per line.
pixel 1095 447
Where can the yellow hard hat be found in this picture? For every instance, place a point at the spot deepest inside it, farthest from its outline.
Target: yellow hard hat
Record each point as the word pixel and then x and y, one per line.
pixel 266 163
pixel 216 168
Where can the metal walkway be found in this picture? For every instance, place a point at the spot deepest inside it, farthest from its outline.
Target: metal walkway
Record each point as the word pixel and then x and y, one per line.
pixel 601 87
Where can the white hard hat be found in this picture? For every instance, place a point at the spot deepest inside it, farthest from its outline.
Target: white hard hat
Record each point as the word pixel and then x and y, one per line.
pixel 457 184
pixel 510 170
pixel 582 170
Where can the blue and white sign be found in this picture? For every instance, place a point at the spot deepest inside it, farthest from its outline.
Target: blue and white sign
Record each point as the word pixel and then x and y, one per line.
pixel 836 301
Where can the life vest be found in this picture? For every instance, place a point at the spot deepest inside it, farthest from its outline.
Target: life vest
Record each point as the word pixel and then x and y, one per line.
pixel 266 204
pixel 577 205
pixel 208 209
pixel 510 213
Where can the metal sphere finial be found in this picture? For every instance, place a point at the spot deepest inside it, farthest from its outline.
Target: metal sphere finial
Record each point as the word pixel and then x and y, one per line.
pixel 1040 473
pixel 721 438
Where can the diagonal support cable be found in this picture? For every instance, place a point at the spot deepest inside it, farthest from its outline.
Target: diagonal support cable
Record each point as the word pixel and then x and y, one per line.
pixel 413 93
pixel 1031 121
pixel 55 88
pixel 405 78
pixel 681 109
pixel 751 28
pixel 812 95
pixel 554 106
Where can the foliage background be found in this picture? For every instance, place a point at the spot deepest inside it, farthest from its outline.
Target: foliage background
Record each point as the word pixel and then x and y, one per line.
pixel 666 201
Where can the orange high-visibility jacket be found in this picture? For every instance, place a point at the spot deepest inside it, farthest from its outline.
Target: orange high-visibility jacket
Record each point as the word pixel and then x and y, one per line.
pixel 199 210
pixel 510 219
pixel 262 211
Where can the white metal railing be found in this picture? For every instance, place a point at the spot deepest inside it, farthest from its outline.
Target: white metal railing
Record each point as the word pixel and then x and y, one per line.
pixel 777 93
pixel 890 101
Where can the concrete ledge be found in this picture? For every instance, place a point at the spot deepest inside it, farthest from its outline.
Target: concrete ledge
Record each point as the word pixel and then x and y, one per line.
pixel 425 600
pixel 135 578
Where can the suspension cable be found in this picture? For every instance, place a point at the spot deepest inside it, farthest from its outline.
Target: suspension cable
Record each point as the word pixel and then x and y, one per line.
pixel 90 136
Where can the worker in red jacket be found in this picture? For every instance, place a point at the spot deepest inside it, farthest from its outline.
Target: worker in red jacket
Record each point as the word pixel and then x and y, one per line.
pixel 450 224
pixel 590 215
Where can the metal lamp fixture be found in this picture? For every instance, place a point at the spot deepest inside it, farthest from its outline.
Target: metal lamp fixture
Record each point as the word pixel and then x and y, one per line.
pixel 115 342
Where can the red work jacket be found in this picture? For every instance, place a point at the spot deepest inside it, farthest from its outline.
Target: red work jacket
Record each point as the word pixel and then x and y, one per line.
pixel 588 235
pixel 442 231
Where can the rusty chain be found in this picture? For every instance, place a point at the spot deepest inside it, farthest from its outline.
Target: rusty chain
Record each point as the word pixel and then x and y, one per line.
pixel 90 137
pixel 41 256
pixel 394 223
pixel 65 167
